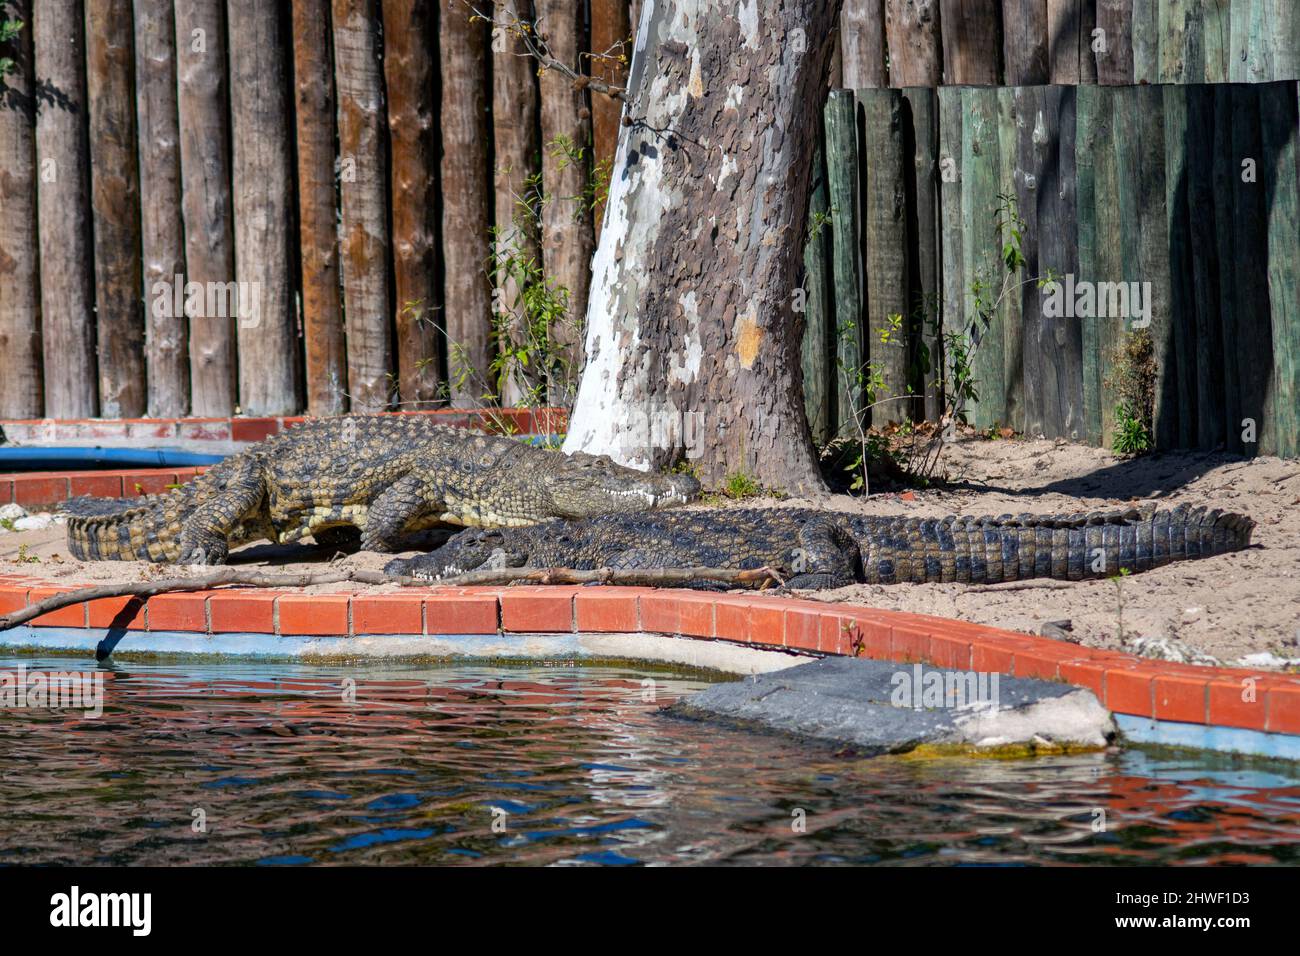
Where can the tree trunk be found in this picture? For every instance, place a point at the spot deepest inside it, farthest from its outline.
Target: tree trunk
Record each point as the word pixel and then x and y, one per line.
pixel 205 197
pixel 567 237
pixel 322 313
pixel 20 296
pixel 261 170
pixel 514 131
pixel 364 238
pixel 63 204
pixel 162 235
pixel 466 205
pixel 693 344
pixel 115 203
pixel 409 65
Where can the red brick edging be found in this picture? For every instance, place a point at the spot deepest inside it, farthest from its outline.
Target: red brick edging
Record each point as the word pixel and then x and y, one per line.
pixel 1218 696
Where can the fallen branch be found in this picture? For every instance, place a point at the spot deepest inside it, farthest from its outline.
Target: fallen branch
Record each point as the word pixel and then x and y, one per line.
pixel 247 578
pixel 1019 586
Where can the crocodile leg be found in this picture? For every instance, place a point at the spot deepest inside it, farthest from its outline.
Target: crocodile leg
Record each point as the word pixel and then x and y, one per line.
pixel 401 503
pixel 826 556
pixel 205 532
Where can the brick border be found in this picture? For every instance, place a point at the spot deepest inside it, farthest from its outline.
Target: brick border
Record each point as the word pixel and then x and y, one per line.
pixel 1212 696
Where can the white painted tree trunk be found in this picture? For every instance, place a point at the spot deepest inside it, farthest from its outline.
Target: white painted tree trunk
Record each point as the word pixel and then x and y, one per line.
pixel 693 342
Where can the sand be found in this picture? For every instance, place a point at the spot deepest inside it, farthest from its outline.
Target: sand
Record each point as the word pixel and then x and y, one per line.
pixel 1219 609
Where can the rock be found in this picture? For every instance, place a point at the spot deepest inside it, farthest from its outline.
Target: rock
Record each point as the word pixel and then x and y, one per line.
pixel 34 522
pixel 12 512
pixel 888 707
pixel 1058 630
pixel 1164 649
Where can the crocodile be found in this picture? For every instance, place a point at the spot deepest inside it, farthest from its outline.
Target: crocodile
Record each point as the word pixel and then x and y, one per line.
pixel 813 548
pixel 362 481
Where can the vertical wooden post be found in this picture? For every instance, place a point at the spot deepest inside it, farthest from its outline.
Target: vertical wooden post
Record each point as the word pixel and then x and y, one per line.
pixel 205 198
pixel 610 32
pixel 819 311
pixel 842 179
pixel 1178 214
pixel 912 38
pixel 1024 42
pixel 972 47
pixel 466 204
pixel 951 185
pixel 1143 33
pixel 862 44
pixel 1115 20
pixel 162 235
pixel 1088 142
pixel 322 314
pixel 1010 320
pixel 1216 32
pixel 517 157
pixel 1278 119
pixel 264 201
pixel 1063 39
pixel 20 297
pixel 1201 212
pixel 409 66
pixel 63 205
pixel 362 175
pixel 115 204
pixel 567 237
pixel 883 238
pixel 921 138
pixel 1225 173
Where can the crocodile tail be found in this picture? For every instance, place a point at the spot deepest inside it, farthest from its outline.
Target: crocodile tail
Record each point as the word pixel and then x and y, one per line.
pixel 142 532
pixel 1070 547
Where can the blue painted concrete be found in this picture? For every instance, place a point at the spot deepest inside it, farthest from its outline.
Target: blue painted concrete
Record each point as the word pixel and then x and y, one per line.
pixel 1171 733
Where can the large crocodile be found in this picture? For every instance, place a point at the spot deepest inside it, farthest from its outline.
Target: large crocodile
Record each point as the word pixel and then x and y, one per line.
pixel 363 480
pixel 825 549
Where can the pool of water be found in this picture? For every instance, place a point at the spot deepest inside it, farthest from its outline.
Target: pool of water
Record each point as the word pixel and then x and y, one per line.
pixel 215 763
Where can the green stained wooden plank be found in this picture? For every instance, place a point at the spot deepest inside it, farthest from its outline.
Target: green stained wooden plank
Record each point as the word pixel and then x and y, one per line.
pixel 1180 38
pixel 1211 426
pixel 981 261
pixel 1181 301
pixel 1113 207
pixel 1144 31
pixel 921 127
pixel 1253 343
pixel 1278 122
pixel 1092 138
pixel 1216 39
pixel 1282 36
pixel 819 317
pixel 1225 169
pixel 1010 320
pixel 952 279
pixel 842 182
pixel 883 235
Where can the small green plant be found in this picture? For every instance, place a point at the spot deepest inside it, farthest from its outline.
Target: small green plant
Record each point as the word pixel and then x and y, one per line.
pixel 7 524
pixel 9 30
pixel 740 485
pixel 1131 436
pixel 1133 381
pixel 1118 581
pixel 25 557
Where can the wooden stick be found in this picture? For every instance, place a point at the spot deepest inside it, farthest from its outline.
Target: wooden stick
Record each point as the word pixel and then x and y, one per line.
pixel 246 578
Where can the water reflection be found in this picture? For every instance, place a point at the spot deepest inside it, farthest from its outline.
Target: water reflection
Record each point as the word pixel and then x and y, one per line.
pixel 293 764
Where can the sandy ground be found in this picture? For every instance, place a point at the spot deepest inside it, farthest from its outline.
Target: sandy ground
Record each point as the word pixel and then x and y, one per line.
pixel 1218 609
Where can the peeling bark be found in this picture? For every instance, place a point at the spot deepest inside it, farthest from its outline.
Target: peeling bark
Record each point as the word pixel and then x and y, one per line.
pixel 693 344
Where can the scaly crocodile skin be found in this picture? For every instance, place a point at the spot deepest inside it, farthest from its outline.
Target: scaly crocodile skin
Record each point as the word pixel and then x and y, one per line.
pixel 375 477
pixel 821 549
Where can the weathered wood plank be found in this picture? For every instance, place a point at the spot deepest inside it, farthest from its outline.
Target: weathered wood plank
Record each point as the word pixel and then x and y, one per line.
pixel 912 39
pixel 568 240
pixel 862 44
pixel 162 232
pixel 981 250
pixel 883 238
pixel 818 311
pixel 1092 139
pixel 921 140
pixel 261 167
pixel 1064 25
pixel 972 42
pixel 611 49
pixel 1010 321
pixel 409 66
pixel 322 312
pixel 1053 361
pixel 842 178
pixel 1182 284
pixel 952 278
pixel 1087 57
pixel 1282 35
pixel 20 295
pixel 1281 185
pixel 1226 170
pixel 1115 62
pixel 1114 206
pixel 1211 427
pixel 1144 34
pixel 63 206
pixel 201 83
pixel 1216 40
pixel 1025 50
pixel 363 238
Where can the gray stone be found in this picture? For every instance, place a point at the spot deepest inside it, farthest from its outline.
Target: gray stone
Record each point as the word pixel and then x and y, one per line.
pixel 889 707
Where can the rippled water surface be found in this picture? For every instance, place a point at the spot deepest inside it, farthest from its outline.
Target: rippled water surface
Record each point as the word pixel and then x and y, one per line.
pixel 414 763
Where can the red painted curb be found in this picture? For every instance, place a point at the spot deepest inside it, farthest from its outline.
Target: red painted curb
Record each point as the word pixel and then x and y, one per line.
pixel 1219 696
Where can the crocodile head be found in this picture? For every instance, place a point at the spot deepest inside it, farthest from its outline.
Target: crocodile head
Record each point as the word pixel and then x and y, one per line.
pixel 585 486
pixel 471 550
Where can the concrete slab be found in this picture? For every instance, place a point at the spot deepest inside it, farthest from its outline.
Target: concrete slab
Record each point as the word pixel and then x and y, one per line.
pixel 888 707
